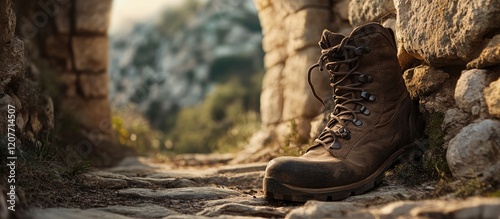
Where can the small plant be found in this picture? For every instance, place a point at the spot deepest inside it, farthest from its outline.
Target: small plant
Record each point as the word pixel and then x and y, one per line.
pixel 76 169
pixel 291 145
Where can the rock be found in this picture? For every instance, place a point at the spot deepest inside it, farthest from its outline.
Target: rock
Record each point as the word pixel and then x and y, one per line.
pixel 12 62
pixel 93 16
pixel 454 120
pixel 271 98
pixel 89 54
pixel 250 180
pixel 7 21
pixel 387 194
pixel 475 151
pixel 240 209
pixel 197 193
pixel 469 90
pixel 93 85
pixel 62 19
pixel 341 8
pixel 275 57
pixel 35 123
pixel 67 82
pixel 362 12
pixel 316 209
pixel 247 200
pixel 423 80
pixel 304 29
pixel 492 98
pixel 64 213
pixel 468 208
pixel 440 100
pixel 299 5
pixel 298 99
pixel 447 32
pixel 490 55
pixel 140 211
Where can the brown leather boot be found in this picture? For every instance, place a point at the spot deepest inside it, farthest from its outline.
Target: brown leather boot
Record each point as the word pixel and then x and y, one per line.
pixel 372 123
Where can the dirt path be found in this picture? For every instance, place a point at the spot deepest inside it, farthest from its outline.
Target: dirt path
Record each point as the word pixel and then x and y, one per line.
pixel 139 188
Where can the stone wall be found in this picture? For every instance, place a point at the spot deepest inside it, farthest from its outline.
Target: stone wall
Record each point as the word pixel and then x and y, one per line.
pixel 19 85
pixel 53 63
pixel 449 51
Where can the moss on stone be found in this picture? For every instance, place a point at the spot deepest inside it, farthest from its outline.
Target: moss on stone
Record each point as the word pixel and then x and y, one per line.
pixel 435 157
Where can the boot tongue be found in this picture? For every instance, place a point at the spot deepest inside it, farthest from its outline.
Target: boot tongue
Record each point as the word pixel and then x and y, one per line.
pixel 329 39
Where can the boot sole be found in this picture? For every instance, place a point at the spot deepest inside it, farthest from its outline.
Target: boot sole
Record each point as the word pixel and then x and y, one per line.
pixel 276 190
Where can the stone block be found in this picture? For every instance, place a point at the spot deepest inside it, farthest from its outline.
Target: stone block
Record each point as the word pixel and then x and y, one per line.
pixel 93 16
pixel 94 85
pixel 62 19
pixel 469 90
pixel 91 113
pixel 271 98
pixel 475 152
pixel 492 98
pixel 12 62
pixel 341 9
pixel 448 32
pixel 275 57
pixel 298 5
pixel 67 82
pixel 298 99
pixel 90 53
pixel 423 80
pixel 57 46
pixel 490 56
pixel 365 11
pixel 304 28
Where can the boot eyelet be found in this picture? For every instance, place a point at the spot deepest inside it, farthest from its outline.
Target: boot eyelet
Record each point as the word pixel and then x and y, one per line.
pixel 357 122
pixel 365 78
pixel 334 145
pixel 368 96
pixel 365 111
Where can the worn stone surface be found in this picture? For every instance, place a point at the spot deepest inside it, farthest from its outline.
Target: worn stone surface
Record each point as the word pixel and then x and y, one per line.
pixel 64 213
pixel 12 62
pixel 89 54
pixel 475 151
pixel 7 21
pixel 57 46
pixel 362 12
pixel 469 90
pixel 93 16
pixel 423 80
pixel 298 5
pixel 247 210
pixel 187 216
pixel 243 168
pixel 469 208
pixel 140 211
pixel 454 120
pixel 446 32
pixel 197 193
pixel 94 85
pixel 301 33
pixel 490 56
pixel 492 98
pixel 387 194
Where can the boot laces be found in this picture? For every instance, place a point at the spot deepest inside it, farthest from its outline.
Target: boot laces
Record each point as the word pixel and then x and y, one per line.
pixel 340 62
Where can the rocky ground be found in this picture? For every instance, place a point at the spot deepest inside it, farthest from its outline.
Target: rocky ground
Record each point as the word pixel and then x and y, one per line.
pixel 140 188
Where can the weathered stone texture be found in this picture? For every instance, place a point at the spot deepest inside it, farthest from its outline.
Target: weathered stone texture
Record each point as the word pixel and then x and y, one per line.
pixel 492 98
pixel 475 151
pixel 12 62
pixel 446 32
pixel 90 53
pixel 90 112
pixel 423 80
pixel 271 98
pixel 305 27
pixel 362 12
pixel 94 85
pixel 469 91
pixel 490 56
pixel 92 16
pixel 7 21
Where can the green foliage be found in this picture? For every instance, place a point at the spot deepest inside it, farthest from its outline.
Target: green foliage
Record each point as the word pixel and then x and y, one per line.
pixel 222 122
pixel 291 145
pixel 435 157
pixel 175 19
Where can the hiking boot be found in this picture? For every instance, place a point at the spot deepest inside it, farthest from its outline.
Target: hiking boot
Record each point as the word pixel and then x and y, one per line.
pixel 371 125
